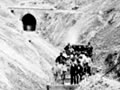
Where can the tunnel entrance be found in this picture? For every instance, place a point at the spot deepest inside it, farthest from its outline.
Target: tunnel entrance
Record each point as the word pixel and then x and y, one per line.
pixel 29 22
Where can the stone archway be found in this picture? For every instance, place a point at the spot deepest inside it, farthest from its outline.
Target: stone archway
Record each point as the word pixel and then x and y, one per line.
pixel 29 22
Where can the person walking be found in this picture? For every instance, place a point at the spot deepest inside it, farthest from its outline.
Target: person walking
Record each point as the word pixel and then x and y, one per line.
pixel 73 71
pixel 79 70
pixel 63 74
pixel 89 49
pixel 60 59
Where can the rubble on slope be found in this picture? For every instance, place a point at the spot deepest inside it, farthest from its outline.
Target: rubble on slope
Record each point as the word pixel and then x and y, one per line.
pixel 96 82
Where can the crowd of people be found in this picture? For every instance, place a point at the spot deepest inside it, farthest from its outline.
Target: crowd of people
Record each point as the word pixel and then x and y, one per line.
pixel 75 60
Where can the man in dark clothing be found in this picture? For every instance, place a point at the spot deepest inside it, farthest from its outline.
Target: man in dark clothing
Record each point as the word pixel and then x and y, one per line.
pixel 73 73
pixel 87 69
pixel 61 59
pixel 76 48
pixel 89 49
pixel 73 70
pixel 67 49
pixel 83 49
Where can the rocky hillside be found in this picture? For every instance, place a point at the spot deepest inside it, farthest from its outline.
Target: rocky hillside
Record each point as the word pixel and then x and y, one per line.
pixel 26 58
pixel 97 83
pixel 94 21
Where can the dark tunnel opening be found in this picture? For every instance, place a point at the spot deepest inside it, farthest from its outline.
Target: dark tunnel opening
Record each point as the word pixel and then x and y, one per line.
pixel 29 22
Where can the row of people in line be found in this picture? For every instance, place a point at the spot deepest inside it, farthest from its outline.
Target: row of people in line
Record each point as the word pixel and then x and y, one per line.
pixel 76 60
pixel 79 67
pixel 79 49
pixel 70 50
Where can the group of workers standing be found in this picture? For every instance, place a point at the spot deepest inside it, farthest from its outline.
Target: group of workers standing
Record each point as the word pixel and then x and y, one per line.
pixel 77 60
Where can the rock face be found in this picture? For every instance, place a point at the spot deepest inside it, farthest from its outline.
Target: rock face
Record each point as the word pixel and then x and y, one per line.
pixel 26 58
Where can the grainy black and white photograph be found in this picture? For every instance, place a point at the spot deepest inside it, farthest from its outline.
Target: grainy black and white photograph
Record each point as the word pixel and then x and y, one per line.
pixel 59 44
